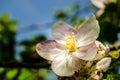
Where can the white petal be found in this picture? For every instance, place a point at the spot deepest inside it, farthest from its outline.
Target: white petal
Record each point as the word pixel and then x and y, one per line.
pixel 64 65
pixel 103 64
pixel 101 47
pixel 89 32
pixel 49 49
pixel 87 52
pixel 98 3
pixel 60 30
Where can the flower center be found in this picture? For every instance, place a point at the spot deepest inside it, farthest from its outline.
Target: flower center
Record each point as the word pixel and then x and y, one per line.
pixel 70 43
pixel 70 46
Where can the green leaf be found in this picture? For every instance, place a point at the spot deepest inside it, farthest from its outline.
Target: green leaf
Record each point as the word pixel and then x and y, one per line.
pixel 44 72
pixel 110 77
pixel 25 74
pixel 5 18
pixel 12 26
pixel 11 73
pixel 1 70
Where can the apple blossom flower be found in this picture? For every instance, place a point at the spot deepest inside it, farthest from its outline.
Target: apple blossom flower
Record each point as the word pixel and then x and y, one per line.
pixel 101 5
pixel 70 46
pixel 102 50
pixel 103 64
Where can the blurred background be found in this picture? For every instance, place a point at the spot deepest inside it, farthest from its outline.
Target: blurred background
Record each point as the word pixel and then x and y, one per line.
pixel 24 23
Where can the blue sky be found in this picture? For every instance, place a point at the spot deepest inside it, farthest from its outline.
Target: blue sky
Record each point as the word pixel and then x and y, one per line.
pixel 29 12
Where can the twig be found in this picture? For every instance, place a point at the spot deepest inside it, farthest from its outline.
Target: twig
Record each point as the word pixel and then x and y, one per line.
pixel 23 65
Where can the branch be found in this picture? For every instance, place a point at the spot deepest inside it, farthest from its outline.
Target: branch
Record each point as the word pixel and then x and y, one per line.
pixel 23 65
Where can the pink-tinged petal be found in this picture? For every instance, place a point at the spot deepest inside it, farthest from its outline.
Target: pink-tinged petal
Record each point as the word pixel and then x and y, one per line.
pixel 87 52
pixel 99 3
pixel 49 49
pixel 103 64
pixel 101 47
pixel 99 12
pixel 60 30
pixel 65 65
pixel 89 32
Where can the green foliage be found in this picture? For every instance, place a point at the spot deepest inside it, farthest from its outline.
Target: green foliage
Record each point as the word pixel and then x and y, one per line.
pixel 28 55
pixel 25 74
pixel 7 35
pixel 109 22
pixel 5 18
pixel 112 77
pixel 11 73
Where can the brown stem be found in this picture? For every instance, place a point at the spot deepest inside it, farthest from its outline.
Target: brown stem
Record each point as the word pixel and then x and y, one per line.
pixel 23 65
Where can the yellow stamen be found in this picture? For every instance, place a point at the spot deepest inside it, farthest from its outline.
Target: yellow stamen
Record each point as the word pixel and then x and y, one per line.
pixel 76 39
pixel 73 34
pixel 68 38
pixel 70 43
pixel 70 46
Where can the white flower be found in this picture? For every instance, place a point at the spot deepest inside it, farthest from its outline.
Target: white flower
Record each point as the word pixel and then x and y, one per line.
pixel 70 45
pixel 103 64
pixel 101 3
pixel 102 50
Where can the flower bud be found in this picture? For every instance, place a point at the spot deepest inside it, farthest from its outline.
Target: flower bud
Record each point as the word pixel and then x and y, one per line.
pixel 103 64
pixel 102 50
